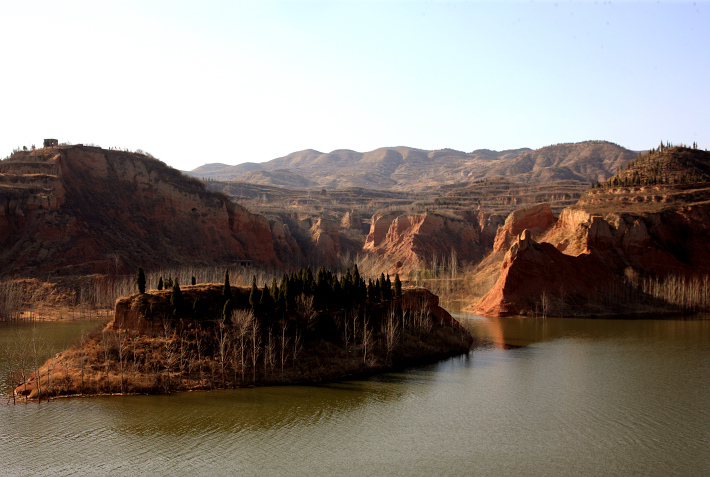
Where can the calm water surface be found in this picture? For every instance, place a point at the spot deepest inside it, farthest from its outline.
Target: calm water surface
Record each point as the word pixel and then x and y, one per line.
pixel 547 397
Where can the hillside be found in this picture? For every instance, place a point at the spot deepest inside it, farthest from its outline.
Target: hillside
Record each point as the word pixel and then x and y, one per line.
pixel 588 161
pixel 410 169
pixel 79 209
pixel 639 242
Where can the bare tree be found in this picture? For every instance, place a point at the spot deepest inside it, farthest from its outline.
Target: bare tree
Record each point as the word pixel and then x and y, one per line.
pixel 305 310
pixel 391 332
pixel 284 344
pixel 544 303
pixel 23 360
pixel 242 320
pixel 82 360
pixel 255 333
pixel 366 339
pixel 346 331
pixel 454 264
pixel 222 345
pixel 169 350
pixel 183 355
pixel 106 348
pixel 120 339
pixel 199 345
pixel 269 351
pixel 35 354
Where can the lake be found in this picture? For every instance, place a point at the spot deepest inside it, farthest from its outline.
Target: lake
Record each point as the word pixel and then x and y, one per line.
pixel 545 397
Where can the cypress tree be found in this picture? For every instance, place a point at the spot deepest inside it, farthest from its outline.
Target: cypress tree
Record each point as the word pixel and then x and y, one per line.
pixel 227 311
pixel 254 296
pixel 227 290
pixel 397 287
pixel 274 290
pixel 160 283
pixel 194 281
pixel 266 303
pixel 140 280
pixel 197 308
pixel 176 299
pixel 310 283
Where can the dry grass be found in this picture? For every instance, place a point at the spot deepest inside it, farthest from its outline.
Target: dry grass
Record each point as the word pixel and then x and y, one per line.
pixel 191 356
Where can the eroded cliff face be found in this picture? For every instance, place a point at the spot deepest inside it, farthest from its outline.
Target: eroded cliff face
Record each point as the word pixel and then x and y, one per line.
pixel 536 278
pixel 581 264
pixel 82 209
pixel 536 219
pixel 409 241
pixel 665 242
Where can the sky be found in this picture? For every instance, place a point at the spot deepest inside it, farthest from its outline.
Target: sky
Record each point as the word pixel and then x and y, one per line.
pixel 197 82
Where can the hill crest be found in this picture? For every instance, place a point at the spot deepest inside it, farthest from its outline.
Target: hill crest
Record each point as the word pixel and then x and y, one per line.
pixel 404 168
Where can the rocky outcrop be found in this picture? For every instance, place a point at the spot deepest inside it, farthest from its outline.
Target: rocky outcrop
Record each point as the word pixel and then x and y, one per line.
pixel 351 221
pixel 285 243
pixel 379 226
pixel 536 219
pixel 326 238
pixel 414 241
pixel 612 234
pixel 104 211
pixel 536 278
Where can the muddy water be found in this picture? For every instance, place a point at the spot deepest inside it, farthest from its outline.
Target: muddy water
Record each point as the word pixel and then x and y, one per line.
pixel 546 397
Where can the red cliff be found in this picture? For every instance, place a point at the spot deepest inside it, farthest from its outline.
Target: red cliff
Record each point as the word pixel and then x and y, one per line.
pixel 78 209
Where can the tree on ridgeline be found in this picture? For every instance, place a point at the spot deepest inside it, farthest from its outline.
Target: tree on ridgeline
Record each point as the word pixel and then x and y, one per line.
pixel 397 287
pixel 140 280
pixel 160 283
pixel 194 280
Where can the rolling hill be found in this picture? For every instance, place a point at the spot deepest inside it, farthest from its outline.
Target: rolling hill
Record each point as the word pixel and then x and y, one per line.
pixel 410 169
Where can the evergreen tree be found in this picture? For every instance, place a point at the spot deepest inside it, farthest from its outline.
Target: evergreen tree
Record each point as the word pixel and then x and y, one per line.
pixel 140 280
pixel 176 299
pixel 254 295
pixel 397 287
pixel 160 283
pixel 310 282
pixel 274 290
pixel 372 293
pixel 227 289
pixel 266 305
pixel 194 281
pixel 227 311
pixel 356 275
pixel 197 308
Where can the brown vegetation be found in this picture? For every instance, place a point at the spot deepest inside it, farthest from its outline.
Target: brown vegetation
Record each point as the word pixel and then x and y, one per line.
pixel 160 353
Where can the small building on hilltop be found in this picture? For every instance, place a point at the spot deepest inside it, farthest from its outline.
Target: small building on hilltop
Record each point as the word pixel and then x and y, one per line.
pixel 51 142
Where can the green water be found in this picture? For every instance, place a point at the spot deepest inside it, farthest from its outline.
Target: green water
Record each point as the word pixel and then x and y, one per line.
pixel 546 397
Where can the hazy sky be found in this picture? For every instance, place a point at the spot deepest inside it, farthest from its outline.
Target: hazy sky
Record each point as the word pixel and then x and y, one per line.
pixel 197 82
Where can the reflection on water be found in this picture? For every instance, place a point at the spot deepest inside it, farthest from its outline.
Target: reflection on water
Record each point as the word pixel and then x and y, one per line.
pixel 516 332
pixel 580 397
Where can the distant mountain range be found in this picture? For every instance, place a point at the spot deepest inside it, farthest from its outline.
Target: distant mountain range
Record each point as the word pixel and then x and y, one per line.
pixel 407 169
